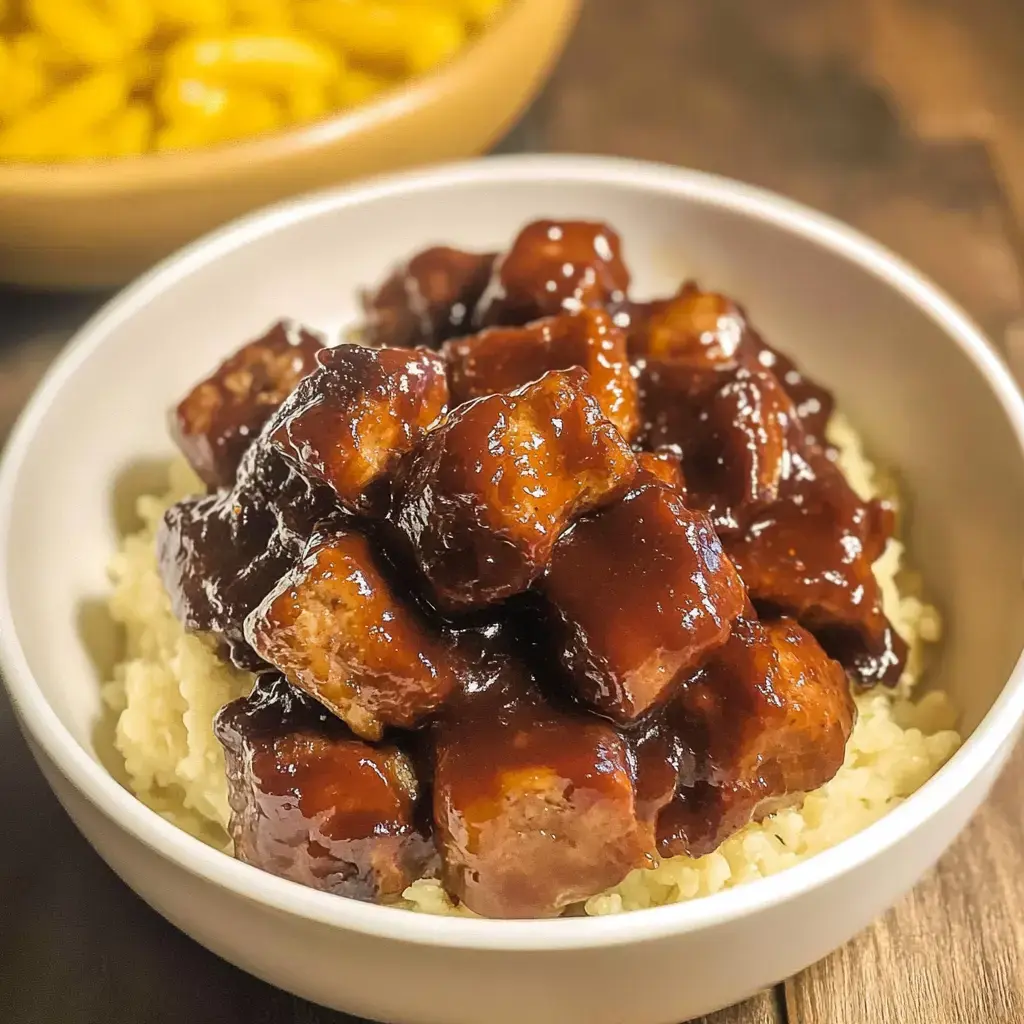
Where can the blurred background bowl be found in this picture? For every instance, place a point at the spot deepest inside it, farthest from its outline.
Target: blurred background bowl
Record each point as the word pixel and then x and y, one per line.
pixel 94 225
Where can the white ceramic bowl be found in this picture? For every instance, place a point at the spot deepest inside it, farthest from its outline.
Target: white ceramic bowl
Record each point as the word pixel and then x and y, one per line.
pixel 910 370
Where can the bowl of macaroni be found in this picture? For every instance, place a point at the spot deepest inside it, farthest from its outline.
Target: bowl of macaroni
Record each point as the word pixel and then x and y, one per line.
pixel 128 128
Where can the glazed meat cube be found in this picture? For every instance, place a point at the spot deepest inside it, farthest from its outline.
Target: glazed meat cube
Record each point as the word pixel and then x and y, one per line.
pixel 503 358
pixel 429 299
pixel 640 591
pixel 486 495
pixel 701 329
pixel 220 554
pixel 737 429
pixel 810 555
pixel 707 331
pixel 555 267
pixel 665 463
pixel 338 630
pixel 348 422
pixel 766 719
pixel 311 803
pixel 219 418
pixel 534 809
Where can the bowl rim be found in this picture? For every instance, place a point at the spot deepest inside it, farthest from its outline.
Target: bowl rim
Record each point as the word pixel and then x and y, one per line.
pixel 155 171
pixel 980 749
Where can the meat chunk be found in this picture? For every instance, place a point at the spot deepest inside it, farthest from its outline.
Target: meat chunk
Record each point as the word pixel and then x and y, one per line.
pixel 766 719
pixel 810 555
pixel 640 591
pixel 702 330
pixel 503 358
pixel 534 809
pixel 311 803
pixel 220 554
pixel 487 493
pixel 428 300
pixel 219 418
pixel 555 267
pixel 338 629
pixel 737 429
pixel 347 423
pixel 665 463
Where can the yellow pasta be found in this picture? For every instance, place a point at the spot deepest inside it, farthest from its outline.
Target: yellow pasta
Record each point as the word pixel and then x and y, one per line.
pixel 356 87
pixel 21 85
pixel 95 33
pixel 416 36
pixel 51 58
pixel 265 15
pixel 477 12
pixel 48 130
pixel 98 79
pixel 254 59
pixel 307 101
pixel 192 15
pixel 209 114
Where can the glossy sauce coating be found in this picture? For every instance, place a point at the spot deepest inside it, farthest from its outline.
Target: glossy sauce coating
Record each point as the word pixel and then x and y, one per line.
pixel 219 418
pixel 810 554
pixel 554 267
pixel 503 358
pixel 764 720
pixel 535 809
pixel 665 464
pixel 484 498
pixel 338 630
pixel 736 427
pixel 348 423
pixel 707 330
pixel 640 591
pixel 429 299
pixel 312 803
pixel 221 553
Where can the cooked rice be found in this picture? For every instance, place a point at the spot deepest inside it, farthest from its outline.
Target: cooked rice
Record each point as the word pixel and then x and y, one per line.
pixel 170 684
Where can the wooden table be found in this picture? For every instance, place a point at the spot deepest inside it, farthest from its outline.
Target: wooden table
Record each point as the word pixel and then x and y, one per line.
pixel 899 116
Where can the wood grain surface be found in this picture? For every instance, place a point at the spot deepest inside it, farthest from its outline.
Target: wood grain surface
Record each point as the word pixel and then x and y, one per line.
pixel 903 117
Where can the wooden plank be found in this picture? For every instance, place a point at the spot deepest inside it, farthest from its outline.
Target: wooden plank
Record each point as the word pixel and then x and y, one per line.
pixel 765 1008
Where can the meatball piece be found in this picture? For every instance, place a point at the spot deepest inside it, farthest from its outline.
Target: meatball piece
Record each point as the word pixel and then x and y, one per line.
pixel 698 328
pixel 428 300
pixel 665 463
pixel 555 267
pixel 502 358
pixel 707 331
pixel 348 422
pixel 810 555
pixel 219 418
pixel 220 554
pixel 766 719
pixel 311 803
pixel 534 809
pixel 338 630
pixel 640 591
pixel 737 429
pixel 486 495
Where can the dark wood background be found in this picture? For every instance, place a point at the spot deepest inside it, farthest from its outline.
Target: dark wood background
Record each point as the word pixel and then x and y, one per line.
pixel 903 117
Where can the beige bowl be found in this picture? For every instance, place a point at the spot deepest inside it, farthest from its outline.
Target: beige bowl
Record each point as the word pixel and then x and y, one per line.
pixel 100 224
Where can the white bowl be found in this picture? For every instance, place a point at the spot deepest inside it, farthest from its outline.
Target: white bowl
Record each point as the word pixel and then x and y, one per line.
pixel 910 370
